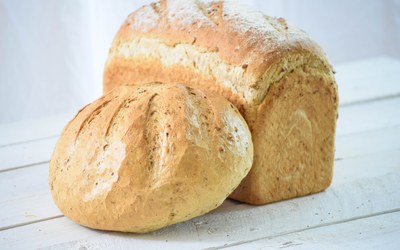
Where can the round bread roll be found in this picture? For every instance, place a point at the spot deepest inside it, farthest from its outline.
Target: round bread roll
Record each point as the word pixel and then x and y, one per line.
pixel 142 158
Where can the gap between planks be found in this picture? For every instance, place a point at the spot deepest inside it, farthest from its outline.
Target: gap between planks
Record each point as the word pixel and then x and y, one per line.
pixel 29 141
pixel 30 222
pixel 305 229
pixel 381 231
pixel 372 78
pixel 100 242
pixel 24 166
pixel 30 130
pixel 375 99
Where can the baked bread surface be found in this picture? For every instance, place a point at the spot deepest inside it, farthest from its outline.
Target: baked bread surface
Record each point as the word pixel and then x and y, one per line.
pixel 144 157
pixel 274 73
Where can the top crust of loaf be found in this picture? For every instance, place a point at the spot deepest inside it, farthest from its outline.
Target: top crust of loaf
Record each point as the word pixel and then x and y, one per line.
pixel 239 35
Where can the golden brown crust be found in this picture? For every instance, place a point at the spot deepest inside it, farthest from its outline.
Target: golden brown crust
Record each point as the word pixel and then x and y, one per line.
pixel 141 158
pixel 268 69
pixel 238 34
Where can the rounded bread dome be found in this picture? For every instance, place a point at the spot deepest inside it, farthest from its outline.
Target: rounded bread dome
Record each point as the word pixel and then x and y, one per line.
pixel 144 157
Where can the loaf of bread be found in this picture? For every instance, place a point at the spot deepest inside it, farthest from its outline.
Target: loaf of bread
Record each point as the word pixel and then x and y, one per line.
pixel 144 157
pixel 278 78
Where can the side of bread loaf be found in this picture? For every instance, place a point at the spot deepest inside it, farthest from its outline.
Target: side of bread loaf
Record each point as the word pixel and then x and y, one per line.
pixel 274 73
pixel 141 158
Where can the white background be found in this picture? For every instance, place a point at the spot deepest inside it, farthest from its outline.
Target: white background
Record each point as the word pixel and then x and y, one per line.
pixel 52 53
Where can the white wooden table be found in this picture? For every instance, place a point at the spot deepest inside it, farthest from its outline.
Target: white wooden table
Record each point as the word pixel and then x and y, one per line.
pixel 361 209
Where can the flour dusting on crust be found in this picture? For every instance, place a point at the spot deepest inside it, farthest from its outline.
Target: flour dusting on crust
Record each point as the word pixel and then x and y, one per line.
pixel 187 12
pixel 144 19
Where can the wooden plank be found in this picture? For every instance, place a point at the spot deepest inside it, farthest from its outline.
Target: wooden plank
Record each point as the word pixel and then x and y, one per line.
pixel 28 153
pixel 376 232
pixel 44 234
pixel 18 213
pixel 17 132
pixel 366 166
pixel 23 182
pixel 240 223
pixel 369 116
pixel 25 196
pixel 373 78
pixel 352 195
pixel 366 143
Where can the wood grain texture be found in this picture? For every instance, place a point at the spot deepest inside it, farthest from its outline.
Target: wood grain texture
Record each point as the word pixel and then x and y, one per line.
pixel 376 232
pixel 27 153
pixel 355 199
pixel 25 196
pixel 17 132
pixel 375 141
pixel 368 79
pixel 368 116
